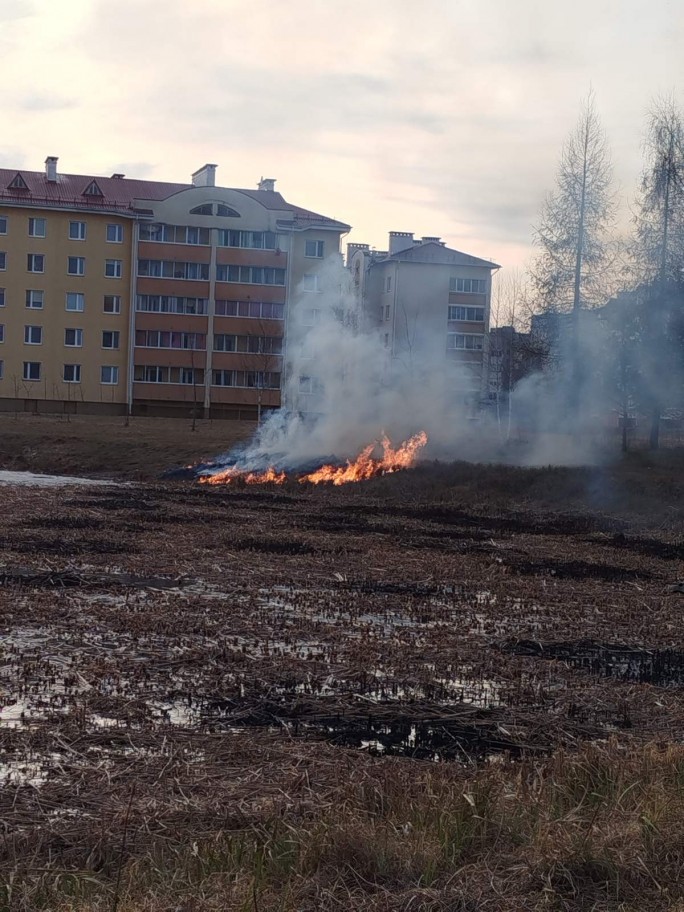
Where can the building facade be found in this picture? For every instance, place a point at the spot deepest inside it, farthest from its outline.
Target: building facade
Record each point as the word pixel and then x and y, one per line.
pixel 431 306
pixel 149 297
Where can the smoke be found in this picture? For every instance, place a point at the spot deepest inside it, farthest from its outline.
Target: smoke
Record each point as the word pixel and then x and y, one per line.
pixel 343 387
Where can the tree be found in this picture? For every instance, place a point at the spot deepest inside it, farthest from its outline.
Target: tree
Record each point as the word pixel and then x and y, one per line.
pixel 660 205
pixel 573 266
pixel 573 233
pixel 659 247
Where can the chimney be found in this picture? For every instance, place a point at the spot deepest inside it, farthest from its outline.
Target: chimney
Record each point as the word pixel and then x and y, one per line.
pixel 267 183
pixel 205 176
pixel 430 240
pixel 51 168
pixel 400 240
pixel 117 176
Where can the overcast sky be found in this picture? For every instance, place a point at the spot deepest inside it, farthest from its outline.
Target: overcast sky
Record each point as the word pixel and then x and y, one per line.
pixel 442 117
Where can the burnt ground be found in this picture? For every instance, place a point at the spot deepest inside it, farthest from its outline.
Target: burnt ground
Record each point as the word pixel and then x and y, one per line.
pixel 392 619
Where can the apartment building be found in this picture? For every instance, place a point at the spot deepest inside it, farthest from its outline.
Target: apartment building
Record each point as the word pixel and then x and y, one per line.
pixel 149 297
pixel 431 306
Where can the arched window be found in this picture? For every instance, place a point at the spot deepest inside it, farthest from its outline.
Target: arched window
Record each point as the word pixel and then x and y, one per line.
pixel 226 211
pixel 204 209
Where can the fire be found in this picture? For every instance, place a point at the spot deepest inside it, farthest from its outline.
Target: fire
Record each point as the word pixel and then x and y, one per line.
pixel 360 469
pixel 365 466
pixel 229 476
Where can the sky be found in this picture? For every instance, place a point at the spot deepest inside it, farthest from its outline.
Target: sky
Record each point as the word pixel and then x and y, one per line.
pixel 441 117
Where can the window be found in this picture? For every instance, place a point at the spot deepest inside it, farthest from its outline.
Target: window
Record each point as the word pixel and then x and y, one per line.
pixel 153 374
pixel 471 314
pixel 225 343
pixel 388 283
pixel 226 211
pixel 254 240
pixel 73 338
pixel 175 234
pixel 310 283
pixel 3 261
pixel 204 209
pixel 305 385
pixel 112 304
pixel 110 338
pixel 254 345
pixel 72 373
pixel 2 297
pixel 310 316
pixel 258 309
pixel 155 338
pixel 250 275
pixel 386 340
pixel 113 268
pixel 75 301
pixel 387 311
pixel 76 266
pixel 109 375
pixel 2 369
pixel 35 262
pixel 77 231
pixel 18 183
pixel 224 378
pixel 468 286
pixel 169 269
pixel 313 249
pixel 187 375
pixel 3 225
pixel 33 335
pixel 115 234
pixel 36 227
pixel 2 332
pixel 34 299
pixel 93 189
pixel 31 370
pixel 170 304
pixel 465 342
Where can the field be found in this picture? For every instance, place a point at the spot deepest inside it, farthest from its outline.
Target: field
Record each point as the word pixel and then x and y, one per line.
pixel 455 688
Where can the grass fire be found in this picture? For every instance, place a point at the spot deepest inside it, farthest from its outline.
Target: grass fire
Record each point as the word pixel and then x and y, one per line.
pixel 366 465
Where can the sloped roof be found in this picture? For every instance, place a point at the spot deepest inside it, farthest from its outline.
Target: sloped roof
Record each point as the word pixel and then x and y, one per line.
pixel 434 252
pixel 120 193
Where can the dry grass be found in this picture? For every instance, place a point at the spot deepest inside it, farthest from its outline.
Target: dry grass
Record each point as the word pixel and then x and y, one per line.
pixel 107 447
pixel 601 829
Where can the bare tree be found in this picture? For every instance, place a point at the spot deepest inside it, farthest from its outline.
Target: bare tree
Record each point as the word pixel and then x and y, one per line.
pixel 659 246
pixel 573 266
pixel 576 217
pixel 659 217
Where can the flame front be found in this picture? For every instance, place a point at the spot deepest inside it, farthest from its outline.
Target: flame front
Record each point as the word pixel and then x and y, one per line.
pixel 365 466
pixel 233 474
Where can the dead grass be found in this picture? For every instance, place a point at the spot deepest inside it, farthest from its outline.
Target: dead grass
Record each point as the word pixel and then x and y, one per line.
pixel 104 446
pixel 598 830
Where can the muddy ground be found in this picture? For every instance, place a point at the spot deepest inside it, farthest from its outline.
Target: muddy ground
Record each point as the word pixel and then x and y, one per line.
pixel 177 658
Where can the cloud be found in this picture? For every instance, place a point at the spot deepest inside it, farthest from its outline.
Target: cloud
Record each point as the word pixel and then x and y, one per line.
pixel 16 9
pixel 44 102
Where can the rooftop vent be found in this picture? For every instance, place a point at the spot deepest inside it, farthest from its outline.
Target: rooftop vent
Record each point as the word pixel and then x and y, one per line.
pixel 118 176
pixel 267 183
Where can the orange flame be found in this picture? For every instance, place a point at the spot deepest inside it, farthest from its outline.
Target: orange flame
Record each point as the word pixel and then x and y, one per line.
pixel 365 466
pixel 229 476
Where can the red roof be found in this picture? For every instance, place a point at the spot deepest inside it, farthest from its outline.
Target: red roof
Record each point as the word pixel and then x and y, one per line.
pixel 120 193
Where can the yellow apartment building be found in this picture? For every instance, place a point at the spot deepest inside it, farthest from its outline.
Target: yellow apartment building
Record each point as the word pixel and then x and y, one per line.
pixel 149 297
